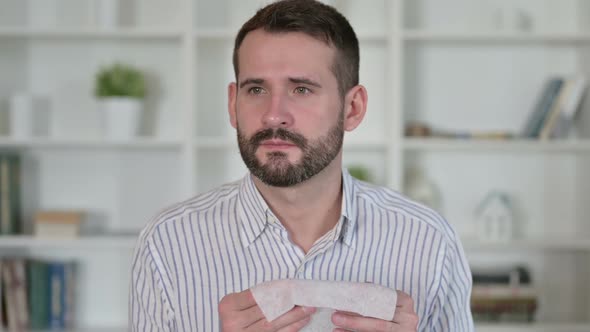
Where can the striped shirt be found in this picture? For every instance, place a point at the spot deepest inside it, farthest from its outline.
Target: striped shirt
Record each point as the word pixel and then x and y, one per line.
pixel 228 240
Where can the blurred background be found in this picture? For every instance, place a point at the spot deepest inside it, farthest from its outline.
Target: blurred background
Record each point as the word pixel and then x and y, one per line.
pixel 110 110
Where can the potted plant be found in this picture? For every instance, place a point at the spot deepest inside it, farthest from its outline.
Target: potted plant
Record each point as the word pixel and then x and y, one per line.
pixel 360 172
pixel 120 89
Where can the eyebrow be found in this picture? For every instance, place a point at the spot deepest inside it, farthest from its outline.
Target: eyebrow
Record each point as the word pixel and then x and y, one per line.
pixel 303 80
pixel 298 80
pixel 251 81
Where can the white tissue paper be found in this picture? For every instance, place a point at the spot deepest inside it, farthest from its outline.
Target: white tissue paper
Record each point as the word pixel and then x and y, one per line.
pixel 279 296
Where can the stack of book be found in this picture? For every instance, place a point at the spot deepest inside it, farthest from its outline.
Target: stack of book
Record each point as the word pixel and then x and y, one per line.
pixel 505 295
pixel 555 109
pixel 58 223
pixel 36 294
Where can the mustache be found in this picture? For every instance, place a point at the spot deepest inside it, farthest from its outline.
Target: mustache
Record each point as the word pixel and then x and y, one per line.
pixel 280 133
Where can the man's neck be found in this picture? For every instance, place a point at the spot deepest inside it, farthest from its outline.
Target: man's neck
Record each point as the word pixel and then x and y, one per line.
pixel 310 209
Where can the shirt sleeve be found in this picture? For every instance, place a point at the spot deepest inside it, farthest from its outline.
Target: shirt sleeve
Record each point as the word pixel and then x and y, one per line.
pixel 451 307
pixel 149 303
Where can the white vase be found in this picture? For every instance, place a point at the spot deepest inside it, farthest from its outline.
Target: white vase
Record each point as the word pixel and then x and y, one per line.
pixel 107 13
pixel 21 116
pixel 121 117
pixel 28 117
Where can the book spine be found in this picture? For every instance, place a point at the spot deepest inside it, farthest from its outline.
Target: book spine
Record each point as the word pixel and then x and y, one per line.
pixel 548 104
pixel 570 107
pixel 10 216
pixel 16 296
pixel 542 106
pixel 21 293
pixel 551 118
pixel 39 294
pixel 15 191
pixel 5 224
pixel 70 292
pixel 10 301
pixel 2 306
pixel 57 295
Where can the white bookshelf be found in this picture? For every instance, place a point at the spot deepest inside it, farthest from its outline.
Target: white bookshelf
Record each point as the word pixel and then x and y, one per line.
pixel 444 63
pixel 465 71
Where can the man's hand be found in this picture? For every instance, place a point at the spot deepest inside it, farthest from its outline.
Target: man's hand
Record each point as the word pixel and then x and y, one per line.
pixel 405 319
pixel 239 312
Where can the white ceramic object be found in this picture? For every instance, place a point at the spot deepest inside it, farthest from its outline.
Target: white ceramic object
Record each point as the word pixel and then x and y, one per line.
pixel 28 117
pixel 121 117
pixel 107 13
pixel 495 218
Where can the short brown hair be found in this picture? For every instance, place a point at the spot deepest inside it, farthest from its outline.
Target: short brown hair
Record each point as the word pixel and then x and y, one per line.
pixel 317 20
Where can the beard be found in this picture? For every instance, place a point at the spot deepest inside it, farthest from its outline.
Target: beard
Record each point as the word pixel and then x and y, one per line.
pixel 278 171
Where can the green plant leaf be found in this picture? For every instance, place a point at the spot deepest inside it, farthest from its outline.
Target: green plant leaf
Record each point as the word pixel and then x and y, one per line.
pixel 119 80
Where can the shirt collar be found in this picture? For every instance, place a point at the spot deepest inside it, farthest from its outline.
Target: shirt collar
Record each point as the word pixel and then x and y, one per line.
pixel 255 214
pixel 252 209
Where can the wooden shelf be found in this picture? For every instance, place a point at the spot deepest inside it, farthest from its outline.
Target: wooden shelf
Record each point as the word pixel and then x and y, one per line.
pixel 476 145
pixel 103 242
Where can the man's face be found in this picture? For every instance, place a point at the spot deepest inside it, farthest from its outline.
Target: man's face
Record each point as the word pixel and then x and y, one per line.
pixel 287 112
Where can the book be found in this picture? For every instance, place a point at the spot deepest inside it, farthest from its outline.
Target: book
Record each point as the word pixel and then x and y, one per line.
pixel 503 292
pixel 61 293
pixel 569 108
pixel 542 108
pixel 551 117
pixel 58 223
pixel 15 285
pixel 57 295
pixel 2 306
pixel 10 205
pixel 38 277
pixel 513 276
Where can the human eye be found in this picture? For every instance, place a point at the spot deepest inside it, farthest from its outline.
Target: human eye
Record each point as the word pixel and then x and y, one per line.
pixel 302 90
pixel 256 90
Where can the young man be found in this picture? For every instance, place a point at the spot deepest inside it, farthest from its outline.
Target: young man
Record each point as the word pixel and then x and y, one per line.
pixel 298 214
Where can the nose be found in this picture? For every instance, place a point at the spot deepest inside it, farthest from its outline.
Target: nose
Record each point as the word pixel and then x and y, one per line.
pixel 277 115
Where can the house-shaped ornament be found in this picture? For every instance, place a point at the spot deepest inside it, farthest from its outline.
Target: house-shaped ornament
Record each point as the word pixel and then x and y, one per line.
pixel 495 218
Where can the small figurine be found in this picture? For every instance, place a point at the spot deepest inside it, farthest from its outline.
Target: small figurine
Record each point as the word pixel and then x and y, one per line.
pixel 495 217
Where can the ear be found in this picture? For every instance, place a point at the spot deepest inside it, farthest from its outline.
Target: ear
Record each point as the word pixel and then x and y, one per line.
pixel 355 107
pixel 231 104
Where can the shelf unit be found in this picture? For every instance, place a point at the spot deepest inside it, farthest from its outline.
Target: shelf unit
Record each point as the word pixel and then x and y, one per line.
pixel 444 64
pixel 468 68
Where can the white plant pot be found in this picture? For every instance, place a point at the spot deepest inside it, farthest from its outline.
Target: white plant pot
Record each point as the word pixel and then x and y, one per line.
pixel 121 117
